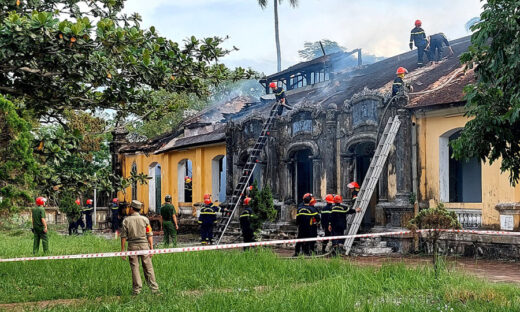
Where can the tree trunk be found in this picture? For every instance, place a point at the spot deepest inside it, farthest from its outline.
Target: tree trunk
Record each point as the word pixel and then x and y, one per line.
pixel 277 37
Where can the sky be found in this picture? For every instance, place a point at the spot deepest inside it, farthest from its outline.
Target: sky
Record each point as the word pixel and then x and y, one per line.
pixel 380 27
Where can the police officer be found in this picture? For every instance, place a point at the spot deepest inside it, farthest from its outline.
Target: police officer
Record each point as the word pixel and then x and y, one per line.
pixel 170 225
pixel 418 37
pixel 435 46
pixel 80 222
pixel 339 220
pixel 279 94
pixel 136 230
pixel 245 221
pixel 87 211
pixel 207 219
pixel 307 219
pixel 39 225
pixel 325 220
pixel 114 209
pixel 188 189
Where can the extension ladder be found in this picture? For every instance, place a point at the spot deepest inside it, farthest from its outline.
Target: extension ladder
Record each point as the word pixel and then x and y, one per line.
pixel 372 176
pixel 247 173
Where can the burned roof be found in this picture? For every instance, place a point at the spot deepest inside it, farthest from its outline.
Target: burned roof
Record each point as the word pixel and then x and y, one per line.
pixel 216 136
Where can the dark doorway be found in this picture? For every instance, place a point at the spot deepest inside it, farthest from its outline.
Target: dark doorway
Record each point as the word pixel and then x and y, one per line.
pixel 302 174
pixel 363 154
pixel 465 178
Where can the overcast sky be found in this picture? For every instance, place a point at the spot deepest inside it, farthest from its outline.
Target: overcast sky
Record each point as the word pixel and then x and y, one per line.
pixel 380 27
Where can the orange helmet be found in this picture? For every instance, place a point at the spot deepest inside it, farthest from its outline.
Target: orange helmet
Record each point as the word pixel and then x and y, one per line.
pixel 40 201
pixel 247 201
pixel 207 199
pixel 338 199
pixel 89 201
pixel 401 71
pixel 329 198
pixel 353 184
pixel 418 23
pixel 272 85
pixel 250 188
pixel 78 202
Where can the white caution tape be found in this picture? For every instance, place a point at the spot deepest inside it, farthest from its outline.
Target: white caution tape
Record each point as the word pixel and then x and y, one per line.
pixel 242 245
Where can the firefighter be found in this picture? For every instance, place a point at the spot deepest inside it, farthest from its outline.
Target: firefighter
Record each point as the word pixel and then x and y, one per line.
pixel 435 46
pixel 245 222
pixel 39 226
pixel 325 219
pixel 115 215
pixel 207 219
pixel 354 186
pixel 307 219
pixel 418 37
pixel 399 85
pixel 169 217
pixel 339 220
pixel 80 222
pixel 87 211
pixel 279 93
pixel 187 189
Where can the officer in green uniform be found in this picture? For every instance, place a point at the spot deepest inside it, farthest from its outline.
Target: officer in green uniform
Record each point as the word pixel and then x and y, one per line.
pixel 169 217
pixel 137 231
pixel 39 226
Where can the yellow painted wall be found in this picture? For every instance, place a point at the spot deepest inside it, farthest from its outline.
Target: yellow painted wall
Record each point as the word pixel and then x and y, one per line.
pixel 495 185
pixel 201 158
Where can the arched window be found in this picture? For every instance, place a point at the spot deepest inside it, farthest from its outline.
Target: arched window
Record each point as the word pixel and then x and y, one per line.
pixel 184 180
pixel 134 183
pixel 460 180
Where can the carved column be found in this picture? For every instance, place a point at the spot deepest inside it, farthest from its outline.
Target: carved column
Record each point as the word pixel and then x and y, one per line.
pixel 316 172
pixel 329 150
pixel 403 153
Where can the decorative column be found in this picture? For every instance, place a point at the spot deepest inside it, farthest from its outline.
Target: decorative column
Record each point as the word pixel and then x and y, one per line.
pixel 329 151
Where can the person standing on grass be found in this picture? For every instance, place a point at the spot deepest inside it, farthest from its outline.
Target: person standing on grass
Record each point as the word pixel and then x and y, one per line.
pixel 170 225
pixel 137 231
pixel 39 226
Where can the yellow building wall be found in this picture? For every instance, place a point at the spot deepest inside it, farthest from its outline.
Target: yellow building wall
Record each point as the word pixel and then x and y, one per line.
pixel 201 158
pixel 495 185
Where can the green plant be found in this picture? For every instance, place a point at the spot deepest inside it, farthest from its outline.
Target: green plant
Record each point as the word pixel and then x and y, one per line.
pixel 68 206
pixel 434 218
pixel 262 205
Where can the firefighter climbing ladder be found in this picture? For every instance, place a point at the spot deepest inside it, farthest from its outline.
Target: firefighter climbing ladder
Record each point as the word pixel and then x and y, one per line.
pixel 372 176
pixel 247 173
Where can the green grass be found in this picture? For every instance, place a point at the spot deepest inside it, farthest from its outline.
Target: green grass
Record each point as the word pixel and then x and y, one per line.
pixel 256 280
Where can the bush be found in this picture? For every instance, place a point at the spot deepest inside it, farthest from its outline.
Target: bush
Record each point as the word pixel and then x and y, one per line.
pixel 68 206
pixel 262 205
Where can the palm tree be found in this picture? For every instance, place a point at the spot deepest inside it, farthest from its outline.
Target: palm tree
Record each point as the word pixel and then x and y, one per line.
pixel 263 4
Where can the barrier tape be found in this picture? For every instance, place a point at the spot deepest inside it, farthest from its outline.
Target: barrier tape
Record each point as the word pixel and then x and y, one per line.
pixel 253 244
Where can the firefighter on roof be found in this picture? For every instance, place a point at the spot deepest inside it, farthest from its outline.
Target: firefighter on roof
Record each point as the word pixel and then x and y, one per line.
pixel 435 46
pixel 399 85
pixel 418 37
pixel 279 93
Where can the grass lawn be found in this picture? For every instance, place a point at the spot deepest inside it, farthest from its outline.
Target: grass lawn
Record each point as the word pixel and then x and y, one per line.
pixel 256 280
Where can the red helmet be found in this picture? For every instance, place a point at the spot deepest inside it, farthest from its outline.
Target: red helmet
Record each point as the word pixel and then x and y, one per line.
pixel 78 202
pixel 207 199
pixel 272 85
pixel 247 201
pixel 250 188
pixel 115 200
pixel 186 178
pixel 401 70
pixel 338 199
pixel 329 198
pixel 89 201
pixel 307 198
pixel 353 184
pixel 40 201
pixel 418 23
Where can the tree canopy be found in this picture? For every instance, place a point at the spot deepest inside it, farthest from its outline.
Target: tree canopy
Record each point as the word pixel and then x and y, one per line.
pixel 493 101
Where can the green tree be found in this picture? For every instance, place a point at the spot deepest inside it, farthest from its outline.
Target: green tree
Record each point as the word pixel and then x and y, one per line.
pixel 17 164
pixel 86 54
pixel 434 218
pixel 312 50
pixel 263 4
pixel 262 205
pixel 493 100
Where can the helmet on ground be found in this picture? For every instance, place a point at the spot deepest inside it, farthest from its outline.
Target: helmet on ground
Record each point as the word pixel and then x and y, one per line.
pixel 247 201
pixel 418 23
pixel 89 201
pixel 272 85
pixel 136 205
pixel 207 199
pixel 115 200
pixel 40 201
pixel 307 198
pixel 401 71
pixel 168 198
pixel 78 202
pixel 338 199
pixel 329 198
pixel 353 184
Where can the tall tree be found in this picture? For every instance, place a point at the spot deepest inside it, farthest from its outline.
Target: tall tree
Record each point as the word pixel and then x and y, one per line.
pixel 493 101
pixel 263 4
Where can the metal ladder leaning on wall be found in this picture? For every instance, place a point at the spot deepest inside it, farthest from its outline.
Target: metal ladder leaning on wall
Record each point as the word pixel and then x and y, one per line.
pixel 372 176
pixel 247 173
